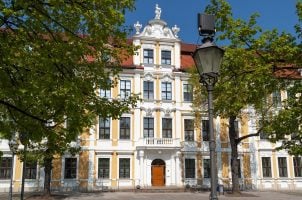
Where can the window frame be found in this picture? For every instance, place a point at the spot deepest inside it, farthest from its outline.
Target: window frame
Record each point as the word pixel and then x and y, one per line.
pixel 149 91
pixel 125 89
pixel 282 167
pixel 106 93
pixel 166 57
pixel 189 130
pixel 266 167
pixel 126 130
pixel 149 128
pixel 166 91
pixel 206 166
pixel 127 169
pixel 297 164
pixel 6 170
pixel 147 57
pixel 70 172
pixel 187 92
pixel 105 128
pixel 31 170
pixel 190 168
pixel 99 168
pixel 167 125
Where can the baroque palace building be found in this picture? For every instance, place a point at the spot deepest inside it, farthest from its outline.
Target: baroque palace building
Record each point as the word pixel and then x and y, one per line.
pixel 156 144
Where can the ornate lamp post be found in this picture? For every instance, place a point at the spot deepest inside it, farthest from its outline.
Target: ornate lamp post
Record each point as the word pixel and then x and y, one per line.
pixel 13 146
pixel 207 58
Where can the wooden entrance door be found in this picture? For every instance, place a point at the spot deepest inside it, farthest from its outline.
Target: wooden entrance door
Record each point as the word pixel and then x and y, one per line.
pixel 158 175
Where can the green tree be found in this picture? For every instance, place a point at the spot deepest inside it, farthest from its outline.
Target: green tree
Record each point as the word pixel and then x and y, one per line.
pixel 246 76
pixel 287 125
pixel 54 57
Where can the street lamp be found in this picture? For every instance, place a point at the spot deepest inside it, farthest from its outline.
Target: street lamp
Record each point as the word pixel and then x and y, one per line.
pixel 207 58
pixel 13 146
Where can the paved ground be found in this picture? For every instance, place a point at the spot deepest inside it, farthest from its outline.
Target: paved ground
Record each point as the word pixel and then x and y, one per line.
pixel 172 196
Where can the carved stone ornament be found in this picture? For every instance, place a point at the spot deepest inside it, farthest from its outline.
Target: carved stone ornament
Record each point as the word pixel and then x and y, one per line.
pixel 149 112
pixel 175 30
pixel 137 27
pixel 157 12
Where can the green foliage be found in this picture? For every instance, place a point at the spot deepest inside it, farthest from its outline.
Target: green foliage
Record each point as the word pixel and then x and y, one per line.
pixel 54 56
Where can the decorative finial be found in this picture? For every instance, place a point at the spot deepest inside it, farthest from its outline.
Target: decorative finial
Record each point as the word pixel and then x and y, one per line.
pixel 157 12
pixel 175 30
pixel 137 27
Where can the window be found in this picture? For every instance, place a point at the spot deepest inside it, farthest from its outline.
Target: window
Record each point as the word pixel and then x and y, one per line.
pixel 31 170
pixel 166 57
pixel 148 90
pixel 166 91
pixel 5 167
pixel 125 128
pixel 148 127
pixel 205 130
pixel 148 56
pixel 188 92
pixel 167 128
pixel 298 166
pixel 125 88
pixel 189 129
pixel 70 168
pixel 105 92
pixel 266 167
pixel 206 168
pixel 104 128
pixel 103 168
pixel 276 99
pixel 190 168
pixel 282 164
pixel 262 135
pixel 124 168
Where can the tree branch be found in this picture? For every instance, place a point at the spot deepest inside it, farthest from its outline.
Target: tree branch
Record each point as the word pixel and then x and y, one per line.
pixel 9 105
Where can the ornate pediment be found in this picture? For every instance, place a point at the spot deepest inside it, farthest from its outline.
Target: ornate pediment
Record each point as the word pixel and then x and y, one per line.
pixel 157 28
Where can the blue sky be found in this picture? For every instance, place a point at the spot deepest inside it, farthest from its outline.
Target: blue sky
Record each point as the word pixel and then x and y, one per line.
pixel 278 14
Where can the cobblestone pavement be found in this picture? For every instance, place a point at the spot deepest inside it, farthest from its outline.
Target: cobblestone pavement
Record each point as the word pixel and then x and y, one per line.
pixel 254 195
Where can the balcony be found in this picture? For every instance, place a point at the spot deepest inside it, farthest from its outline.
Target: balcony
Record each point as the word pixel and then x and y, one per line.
pixel 164 143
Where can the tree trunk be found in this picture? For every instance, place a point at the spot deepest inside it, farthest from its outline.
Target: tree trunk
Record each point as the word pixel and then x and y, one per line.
pixel 47 171
pixel 234 155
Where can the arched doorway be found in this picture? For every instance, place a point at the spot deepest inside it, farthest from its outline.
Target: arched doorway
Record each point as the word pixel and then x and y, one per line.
pixel 158 172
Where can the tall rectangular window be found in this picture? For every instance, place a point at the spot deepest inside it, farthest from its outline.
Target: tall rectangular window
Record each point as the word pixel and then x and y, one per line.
pixel 188 92
pixel 70 168
pixel 262 134
pixel 125 88
pixel 298 166
pixel 205 130
pixel 148 90
pixel 103 167
pixel 166 57
pixel 104 128
pixel 189 129
pixel 148 56
pixel 31 170
pixel 124 168
pixel 282 166
pixel 206 168
pixel 167 127
pixel 190 168
pixel 125 128
pixel 106 92
pixel 166 91
pixel 148 127
pixel 266 167
pixel 5 167
pixel 276 98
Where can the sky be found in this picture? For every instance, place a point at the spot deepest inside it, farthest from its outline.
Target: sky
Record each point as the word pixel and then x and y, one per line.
pixel 278 14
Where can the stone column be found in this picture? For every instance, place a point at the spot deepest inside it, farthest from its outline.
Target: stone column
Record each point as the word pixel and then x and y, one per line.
pixel 141 166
